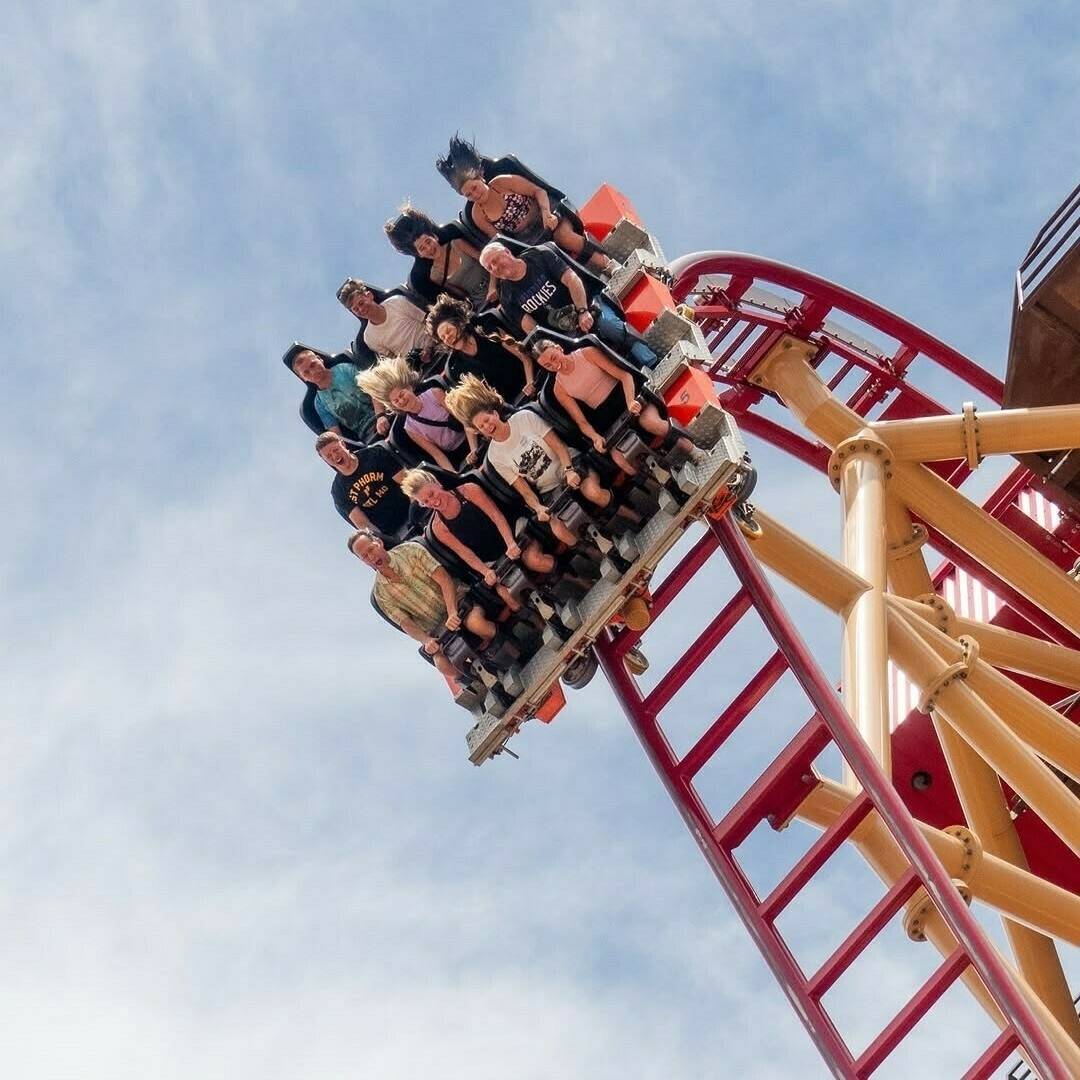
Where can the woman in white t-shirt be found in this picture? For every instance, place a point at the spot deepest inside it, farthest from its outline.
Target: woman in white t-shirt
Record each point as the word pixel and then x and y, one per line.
pixel 524 450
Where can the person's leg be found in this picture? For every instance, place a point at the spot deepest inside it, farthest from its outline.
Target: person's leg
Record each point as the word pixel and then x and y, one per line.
pixel 507 597
pixel 444 666
pixel 536 559
pixel 611 327
pixel 674 442
pixel 479 624
pixel 652 422
pixel 593 490
pixel 571 242
pixel 595 257
pixel 562 533
pixel 623 462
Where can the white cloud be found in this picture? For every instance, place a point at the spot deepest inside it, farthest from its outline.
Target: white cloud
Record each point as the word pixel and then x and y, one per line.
pixel 240 836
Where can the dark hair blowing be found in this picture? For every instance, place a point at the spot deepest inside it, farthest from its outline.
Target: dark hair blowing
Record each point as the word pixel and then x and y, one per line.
pixel 404 230
pixel 461 162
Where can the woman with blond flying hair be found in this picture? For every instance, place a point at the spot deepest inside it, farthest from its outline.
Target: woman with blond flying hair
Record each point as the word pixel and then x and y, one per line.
pixel 467 520
pixel 525 451
pixel 427 422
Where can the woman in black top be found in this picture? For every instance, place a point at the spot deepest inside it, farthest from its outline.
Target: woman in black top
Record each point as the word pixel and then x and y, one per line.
pixel 502 363
pixel 444 260
pixel 467 522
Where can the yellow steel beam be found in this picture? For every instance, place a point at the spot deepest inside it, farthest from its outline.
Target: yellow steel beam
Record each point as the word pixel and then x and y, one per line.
pixel 944 686
pixel 1001 648
pixel 1005 431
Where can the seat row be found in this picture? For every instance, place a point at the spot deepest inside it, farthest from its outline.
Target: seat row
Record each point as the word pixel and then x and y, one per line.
pixel 502 447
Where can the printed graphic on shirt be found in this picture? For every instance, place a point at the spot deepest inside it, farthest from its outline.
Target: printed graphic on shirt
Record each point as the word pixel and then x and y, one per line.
pixel 539 297
pixel 532 460
pixel 368 489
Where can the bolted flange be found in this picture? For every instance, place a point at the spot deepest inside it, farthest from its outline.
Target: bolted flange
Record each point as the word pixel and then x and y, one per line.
pixel 860 445
pixel 944 617
pixel 912 544
pixel 959 670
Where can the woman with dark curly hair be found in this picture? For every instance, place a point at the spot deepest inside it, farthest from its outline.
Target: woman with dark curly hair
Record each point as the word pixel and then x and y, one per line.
pixel 513 205
pixel 501 361
pixel 441 254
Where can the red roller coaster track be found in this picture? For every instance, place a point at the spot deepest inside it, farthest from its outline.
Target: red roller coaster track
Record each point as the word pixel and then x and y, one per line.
pixel 913 809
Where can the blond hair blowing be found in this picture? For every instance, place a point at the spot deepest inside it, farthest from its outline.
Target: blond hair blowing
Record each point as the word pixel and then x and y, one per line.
pixel 389 374
pixel 414 480
pixel 472 395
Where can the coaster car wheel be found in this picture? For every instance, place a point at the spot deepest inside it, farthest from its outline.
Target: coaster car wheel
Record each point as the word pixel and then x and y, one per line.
pixel 579 672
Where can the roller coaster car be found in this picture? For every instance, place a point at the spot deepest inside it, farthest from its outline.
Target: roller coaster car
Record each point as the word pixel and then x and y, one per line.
pixel 706 483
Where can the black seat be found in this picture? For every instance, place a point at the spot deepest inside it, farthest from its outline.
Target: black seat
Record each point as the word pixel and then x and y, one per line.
pixel 508 164
pixel 308 412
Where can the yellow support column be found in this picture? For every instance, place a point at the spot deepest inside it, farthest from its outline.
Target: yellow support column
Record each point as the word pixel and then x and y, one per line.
pixel 860 469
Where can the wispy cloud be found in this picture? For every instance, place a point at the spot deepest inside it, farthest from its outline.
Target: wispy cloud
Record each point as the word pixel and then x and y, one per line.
pixel 240 836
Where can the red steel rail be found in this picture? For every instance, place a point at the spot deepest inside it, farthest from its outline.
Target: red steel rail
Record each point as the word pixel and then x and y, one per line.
pixel 743 305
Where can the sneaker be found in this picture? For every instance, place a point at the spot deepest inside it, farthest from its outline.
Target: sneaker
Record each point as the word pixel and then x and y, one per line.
pixel 635 661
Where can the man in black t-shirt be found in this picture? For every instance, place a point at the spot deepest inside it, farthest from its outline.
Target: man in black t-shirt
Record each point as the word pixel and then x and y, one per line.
pixel 540 287
pixel 365 490
pixel 534 285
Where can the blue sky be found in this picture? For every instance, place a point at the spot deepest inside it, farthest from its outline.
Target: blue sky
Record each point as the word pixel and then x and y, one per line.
pixel 239 834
